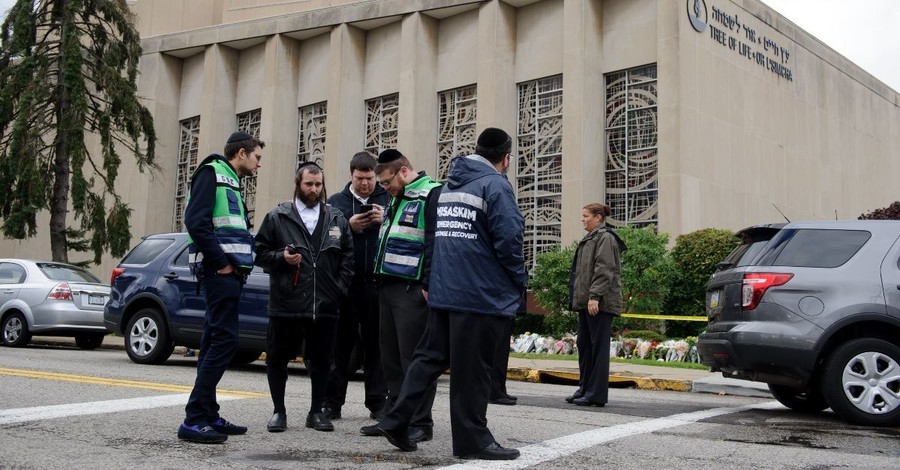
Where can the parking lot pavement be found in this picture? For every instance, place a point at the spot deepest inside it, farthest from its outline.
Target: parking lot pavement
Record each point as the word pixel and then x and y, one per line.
pixel 558 371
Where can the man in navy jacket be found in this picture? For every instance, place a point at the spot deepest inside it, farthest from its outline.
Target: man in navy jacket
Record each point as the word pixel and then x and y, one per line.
pixel 358 322
pixel 475 286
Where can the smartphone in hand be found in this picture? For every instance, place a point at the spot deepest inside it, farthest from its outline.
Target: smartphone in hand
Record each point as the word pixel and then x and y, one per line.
pixel 364 208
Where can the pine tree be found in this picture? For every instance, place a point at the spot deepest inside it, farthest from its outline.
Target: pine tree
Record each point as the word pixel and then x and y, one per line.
pixel 68 69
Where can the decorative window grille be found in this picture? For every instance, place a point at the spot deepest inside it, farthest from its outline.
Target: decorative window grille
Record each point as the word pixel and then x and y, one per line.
pixel 311 141
pixel 188 146
pixel 456 126
pixel 381 123
pixel 632 160
pixel 249 122
pixel 539 164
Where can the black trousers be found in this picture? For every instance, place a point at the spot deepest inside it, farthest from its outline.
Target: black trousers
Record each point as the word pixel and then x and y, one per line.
pixel 593 355
pixel 358 323
pixel 501 362
pixel 218 344
pixel 285 336
pixel 404 314
pixel 466 343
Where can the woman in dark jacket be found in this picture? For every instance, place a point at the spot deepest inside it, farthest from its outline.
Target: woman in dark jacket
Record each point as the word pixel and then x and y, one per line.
pixel 595 292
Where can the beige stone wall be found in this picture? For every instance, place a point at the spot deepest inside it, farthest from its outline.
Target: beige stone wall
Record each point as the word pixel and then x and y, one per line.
pixel 747 140
pixel 733 137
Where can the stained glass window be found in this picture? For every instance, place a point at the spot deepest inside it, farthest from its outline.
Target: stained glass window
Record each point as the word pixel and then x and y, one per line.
pixel 249 122
pixel 188 144
pixel 456 126
pixel 381 123
pixel 631 147
pixel 311 141
pixel 539 164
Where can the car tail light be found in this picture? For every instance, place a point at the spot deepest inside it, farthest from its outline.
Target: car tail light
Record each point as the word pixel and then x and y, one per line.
pixel 60 292
pixel 115 274
pixel 755 285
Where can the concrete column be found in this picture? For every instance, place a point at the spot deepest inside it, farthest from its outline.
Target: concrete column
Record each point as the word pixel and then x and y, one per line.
pixel 346 109
pixel 152 194
pixel 671 89
pixel 583 113
pixel 497 99
pixel 275 180
pixel 217 119
pixel 418 98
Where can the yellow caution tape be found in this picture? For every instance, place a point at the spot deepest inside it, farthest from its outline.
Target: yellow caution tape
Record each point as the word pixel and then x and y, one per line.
pixel 644 316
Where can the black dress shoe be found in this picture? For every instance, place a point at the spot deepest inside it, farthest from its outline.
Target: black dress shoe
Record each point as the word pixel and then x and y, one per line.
pixel 331 413
pixel 511 397
pixel 222 426
pixel 493 452
pixel 420 434
pixel 399 439
pixel 319 422
pixel 201 434
pixel 278 423
pixel 370 430
pixel 502 401
pixel 581 401
pixel 573 397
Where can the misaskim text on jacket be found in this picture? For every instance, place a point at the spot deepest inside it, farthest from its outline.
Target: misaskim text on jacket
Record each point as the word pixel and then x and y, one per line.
pixel 468 214
pixel 317 291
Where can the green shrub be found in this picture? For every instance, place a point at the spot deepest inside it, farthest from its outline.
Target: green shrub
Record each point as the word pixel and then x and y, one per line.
pixel 530 322
pixel 557 324
pixel 646 269
pixel 550 279
pixel 694 258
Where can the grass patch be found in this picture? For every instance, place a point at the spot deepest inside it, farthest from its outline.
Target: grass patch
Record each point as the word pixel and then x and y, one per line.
pixel 621 360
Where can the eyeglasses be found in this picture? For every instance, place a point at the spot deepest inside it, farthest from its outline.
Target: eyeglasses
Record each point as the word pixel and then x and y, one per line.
pixel 387 182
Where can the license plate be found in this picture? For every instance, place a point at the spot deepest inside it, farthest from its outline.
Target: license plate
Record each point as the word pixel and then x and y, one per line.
pixel 714 299
pixel 96 300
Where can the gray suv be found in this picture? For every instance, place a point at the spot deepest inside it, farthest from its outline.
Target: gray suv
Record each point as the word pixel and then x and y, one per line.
pixel 813 310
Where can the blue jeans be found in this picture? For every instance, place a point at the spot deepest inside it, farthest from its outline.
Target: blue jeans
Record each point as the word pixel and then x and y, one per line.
pixel 217 345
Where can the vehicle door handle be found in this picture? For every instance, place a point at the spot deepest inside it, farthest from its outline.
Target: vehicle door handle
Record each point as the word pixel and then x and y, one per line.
pixel 13 292
pixel 170 276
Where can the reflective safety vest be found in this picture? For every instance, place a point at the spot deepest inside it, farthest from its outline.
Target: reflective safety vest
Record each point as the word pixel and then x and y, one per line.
pixel 229 220
pixel 401 245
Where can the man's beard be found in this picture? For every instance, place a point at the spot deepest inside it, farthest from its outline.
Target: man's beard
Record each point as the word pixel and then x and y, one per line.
pixel 311 200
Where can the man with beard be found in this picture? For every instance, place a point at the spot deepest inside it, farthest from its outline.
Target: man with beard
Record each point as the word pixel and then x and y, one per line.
pixel 362 201
pixel 306 247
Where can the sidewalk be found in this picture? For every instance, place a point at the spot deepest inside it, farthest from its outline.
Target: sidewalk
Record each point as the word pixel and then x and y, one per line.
pixel 566 372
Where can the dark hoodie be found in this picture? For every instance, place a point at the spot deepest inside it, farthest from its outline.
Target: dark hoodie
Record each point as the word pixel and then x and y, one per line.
pixel 478 264
pixel 365 244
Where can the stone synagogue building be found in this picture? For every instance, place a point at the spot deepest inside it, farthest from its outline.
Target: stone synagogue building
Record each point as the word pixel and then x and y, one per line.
pixel 686 114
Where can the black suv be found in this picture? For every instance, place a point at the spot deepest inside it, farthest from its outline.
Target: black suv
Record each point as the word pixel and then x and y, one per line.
pixel 812 309
pixel 156 306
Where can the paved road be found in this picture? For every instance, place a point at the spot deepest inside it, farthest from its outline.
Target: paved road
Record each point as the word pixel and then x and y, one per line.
pixel 65 408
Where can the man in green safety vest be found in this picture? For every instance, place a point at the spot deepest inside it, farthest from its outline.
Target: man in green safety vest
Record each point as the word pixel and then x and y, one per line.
pixel 401 265
pixel 221 254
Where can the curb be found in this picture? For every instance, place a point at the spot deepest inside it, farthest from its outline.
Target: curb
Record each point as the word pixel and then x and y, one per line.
pixel 567 377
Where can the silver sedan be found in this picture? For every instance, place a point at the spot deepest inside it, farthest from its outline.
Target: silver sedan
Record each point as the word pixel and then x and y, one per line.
pixel 50 299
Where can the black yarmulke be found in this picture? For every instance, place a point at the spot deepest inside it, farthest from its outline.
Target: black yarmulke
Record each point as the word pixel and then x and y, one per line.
pixel 493 138
pixel 239 136
pixel 389 155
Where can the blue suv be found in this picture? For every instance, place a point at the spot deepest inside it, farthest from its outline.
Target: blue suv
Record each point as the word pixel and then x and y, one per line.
pixel 156 306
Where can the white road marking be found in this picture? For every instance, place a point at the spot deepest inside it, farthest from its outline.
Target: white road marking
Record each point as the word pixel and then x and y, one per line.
pixel 37 413
pixel 566 445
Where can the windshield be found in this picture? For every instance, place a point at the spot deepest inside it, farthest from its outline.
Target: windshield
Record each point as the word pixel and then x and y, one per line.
pixel 62 272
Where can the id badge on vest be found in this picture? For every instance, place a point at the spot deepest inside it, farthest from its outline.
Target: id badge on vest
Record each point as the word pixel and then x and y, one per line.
pixel 410 215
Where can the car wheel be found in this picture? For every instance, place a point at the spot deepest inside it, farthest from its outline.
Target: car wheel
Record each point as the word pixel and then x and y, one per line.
pixel 244 357
pixel 804 401
pixel 15 330
pixel 147 339
pixel 862 382
pixel 89 341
